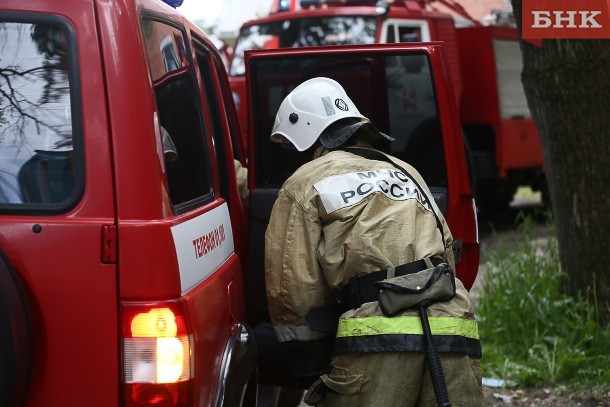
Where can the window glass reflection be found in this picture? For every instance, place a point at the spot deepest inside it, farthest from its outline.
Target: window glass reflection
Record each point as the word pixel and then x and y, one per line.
pixel 36 137
pixel 187 163
pixel 336 30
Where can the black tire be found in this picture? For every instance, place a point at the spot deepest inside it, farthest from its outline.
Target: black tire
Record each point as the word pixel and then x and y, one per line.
pixel 16 353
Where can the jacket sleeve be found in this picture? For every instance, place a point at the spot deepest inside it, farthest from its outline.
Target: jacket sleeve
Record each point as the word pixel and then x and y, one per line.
pixel 241 173
pixel 295 283
pixel 294 279
pixel 448 255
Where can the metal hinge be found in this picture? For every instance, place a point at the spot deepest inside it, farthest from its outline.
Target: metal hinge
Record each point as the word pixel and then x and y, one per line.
pixel 109 244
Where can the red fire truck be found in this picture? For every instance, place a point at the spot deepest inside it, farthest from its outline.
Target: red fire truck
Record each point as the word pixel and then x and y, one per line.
pixel 130 274
pixel 122 235
pixel 500 137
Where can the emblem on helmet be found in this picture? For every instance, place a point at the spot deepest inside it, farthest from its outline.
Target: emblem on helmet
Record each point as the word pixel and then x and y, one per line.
pixel 340 103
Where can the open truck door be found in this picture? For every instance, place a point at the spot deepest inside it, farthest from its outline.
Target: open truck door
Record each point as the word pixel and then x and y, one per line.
pixel 406 90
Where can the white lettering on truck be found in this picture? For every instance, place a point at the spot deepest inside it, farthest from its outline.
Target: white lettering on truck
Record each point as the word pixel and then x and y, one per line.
pixel 202 245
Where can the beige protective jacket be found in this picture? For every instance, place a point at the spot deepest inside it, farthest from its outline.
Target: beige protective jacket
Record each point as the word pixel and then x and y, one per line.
pixel 241 174
pixel 343 215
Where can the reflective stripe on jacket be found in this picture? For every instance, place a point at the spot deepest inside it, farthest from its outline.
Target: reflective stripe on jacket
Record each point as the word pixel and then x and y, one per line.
pixel 452 330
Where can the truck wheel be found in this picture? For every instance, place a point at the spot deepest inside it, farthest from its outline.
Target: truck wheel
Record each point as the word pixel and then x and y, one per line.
pixel 15 337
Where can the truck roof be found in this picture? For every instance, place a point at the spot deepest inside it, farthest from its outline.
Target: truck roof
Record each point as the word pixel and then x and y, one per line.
pixel 396 10
pixel 284 9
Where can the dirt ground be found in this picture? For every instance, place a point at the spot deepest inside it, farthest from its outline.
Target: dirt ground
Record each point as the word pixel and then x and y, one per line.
pixel 538 397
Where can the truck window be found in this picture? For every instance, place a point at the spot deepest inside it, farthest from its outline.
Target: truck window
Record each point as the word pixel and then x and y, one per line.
pixel 188 167
pixel 409 34
pixel 40 133
pixel 395 91
pixel 332 30
pixel 229 107
pixel 413 117
pixel 214 107
pixel 403 30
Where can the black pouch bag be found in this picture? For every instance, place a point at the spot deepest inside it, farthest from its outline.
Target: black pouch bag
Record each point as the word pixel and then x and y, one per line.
pixel 434 284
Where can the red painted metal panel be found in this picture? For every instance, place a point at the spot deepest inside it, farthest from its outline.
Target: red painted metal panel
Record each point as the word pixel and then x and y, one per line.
pixel 209 307
pixel 238 87
pixel 479 102
pixel 131 102
pixel 518 145
pixel 443 29
pixel 72 295
pixel 460 216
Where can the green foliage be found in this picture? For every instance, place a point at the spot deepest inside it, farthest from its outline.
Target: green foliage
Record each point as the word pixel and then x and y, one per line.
pixel 531 332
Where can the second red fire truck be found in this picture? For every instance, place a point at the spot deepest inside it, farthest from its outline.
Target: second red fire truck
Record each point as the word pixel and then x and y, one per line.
pixel 501 141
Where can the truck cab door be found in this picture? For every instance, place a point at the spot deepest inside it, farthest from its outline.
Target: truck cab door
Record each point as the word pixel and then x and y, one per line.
pixel 405 89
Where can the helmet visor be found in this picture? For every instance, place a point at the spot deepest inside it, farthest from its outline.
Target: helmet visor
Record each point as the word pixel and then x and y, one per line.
pixel 340 131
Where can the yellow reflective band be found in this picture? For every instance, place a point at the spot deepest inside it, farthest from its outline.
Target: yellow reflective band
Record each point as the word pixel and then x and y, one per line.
pixel 407 325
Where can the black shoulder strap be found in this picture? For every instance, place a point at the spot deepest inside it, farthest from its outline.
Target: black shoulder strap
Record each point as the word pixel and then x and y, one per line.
pixel 379 156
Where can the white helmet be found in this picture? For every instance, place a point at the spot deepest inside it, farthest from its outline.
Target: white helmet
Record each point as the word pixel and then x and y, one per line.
pixel 309 109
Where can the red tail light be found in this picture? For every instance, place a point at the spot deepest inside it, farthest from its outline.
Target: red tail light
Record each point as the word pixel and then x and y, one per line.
pixel 157 355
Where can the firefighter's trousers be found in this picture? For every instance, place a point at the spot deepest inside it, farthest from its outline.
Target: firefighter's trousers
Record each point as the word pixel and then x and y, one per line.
pixel 400 379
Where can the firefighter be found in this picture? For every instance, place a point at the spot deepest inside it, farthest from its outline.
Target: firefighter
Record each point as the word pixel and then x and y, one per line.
pixel 342 222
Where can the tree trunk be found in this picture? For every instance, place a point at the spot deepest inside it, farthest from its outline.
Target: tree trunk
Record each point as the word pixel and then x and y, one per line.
pixel 567 85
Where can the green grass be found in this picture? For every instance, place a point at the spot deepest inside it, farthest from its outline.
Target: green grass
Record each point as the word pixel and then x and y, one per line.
pixel 532 334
